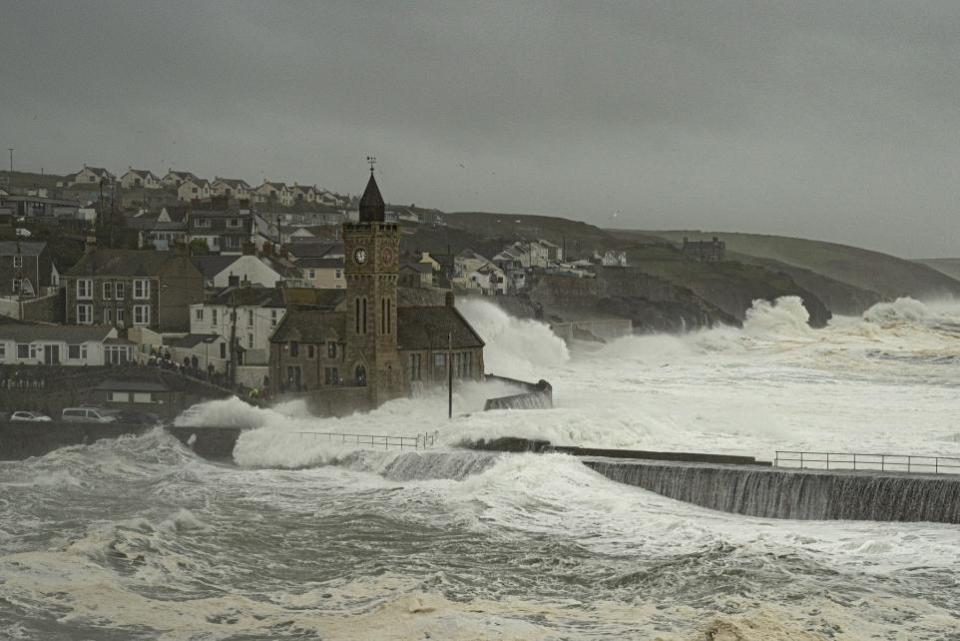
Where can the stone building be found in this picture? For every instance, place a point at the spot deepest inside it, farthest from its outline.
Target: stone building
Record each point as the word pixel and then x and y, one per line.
pixel 367 342
pixel 127 288
pixel 704 251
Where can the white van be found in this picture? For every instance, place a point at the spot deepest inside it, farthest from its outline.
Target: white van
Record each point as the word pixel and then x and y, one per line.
pixel 87 415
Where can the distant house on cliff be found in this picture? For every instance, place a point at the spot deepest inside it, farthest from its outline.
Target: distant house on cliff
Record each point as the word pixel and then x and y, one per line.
pixel 231 189
pixel 176 178
pixel 140 179
pixel 704 251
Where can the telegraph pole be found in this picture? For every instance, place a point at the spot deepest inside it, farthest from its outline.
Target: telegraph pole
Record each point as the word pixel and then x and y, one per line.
pixel 10 149
pixel 450 375
pixel 233 338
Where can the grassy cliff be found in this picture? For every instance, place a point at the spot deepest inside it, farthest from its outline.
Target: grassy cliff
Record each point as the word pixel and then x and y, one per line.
pixel 868 270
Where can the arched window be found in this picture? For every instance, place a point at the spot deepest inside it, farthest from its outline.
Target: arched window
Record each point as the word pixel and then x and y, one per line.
pixel 361 376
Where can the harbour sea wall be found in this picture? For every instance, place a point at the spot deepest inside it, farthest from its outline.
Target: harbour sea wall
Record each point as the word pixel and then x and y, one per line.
pixel 793 493
pixel 537 395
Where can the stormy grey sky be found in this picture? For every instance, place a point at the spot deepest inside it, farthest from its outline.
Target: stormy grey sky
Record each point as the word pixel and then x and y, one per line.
pixel 830 120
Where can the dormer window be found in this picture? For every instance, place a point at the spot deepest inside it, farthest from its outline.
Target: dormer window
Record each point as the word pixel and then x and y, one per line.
pixel 18 261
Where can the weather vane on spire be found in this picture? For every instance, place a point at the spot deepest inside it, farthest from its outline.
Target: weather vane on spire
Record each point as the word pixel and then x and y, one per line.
pixel 373 161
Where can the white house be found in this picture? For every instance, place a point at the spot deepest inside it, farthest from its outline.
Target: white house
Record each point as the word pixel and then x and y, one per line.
pixel 204 352
pixel 234 189
pixel 140 179
pixel 73 345
pixel 303 193
pixel 253 270
pixel 473 271
pixel 323 273
pixel 258 312
pixel 91 176
pixel 193 189
pixel 612 258
pixel 274 192
pixel 177 178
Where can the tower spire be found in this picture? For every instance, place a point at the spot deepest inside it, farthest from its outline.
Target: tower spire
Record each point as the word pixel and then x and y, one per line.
pixel 372 207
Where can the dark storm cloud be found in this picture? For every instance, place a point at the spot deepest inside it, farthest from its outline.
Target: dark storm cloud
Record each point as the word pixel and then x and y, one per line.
pixel 820 119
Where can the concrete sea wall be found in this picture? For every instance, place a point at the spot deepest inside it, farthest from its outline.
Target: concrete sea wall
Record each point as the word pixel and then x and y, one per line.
pixel 793 493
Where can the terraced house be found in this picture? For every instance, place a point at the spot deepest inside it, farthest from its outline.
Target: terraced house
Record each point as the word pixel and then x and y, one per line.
pixel 225 232
pixel 127 288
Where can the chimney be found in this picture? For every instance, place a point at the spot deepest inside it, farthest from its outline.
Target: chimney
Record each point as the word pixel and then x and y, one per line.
pixel 233 281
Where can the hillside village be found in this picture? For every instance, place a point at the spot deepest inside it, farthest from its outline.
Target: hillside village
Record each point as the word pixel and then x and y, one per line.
pixel 197 275
pixel 183 272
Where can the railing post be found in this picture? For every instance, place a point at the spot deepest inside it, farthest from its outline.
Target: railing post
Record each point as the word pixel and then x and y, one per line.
pixel 936 465
pixel 801 460
pixel 854 461
pixel 828 460
pixel 883 462
pixel 909 460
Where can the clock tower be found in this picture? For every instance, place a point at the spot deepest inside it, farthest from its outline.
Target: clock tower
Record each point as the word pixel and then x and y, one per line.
pixel 371 260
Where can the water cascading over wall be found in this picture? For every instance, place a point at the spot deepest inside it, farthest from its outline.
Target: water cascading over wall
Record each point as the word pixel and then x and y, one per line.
pixel 794 494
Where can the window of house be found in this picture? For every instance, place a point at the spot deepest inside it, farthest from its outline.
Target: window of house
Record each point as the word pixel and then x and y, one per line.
pixel 339 273
pixel 198 314
pixel 73 352
pixel 415 366
pixel 213 317
pixel 294 348
pixel 273 318
pixel 108 316
pixel 331 376
pixel 17 285
pixel 23 350
pixel 311 274
pixel 440 361
pixel 332 349
pixel 119 290
pixel 142 397
pixel 249 318
pixel 84 288
pixel 250 341
pixel 141 314
pixel 18 261
pixel 121 317
pixel 141 288
pixel 233 222
pixel 3 351
pixel 84 314
pixel 223 350
pixel 107 291
pixel 202 222
pixel 120 397
pixel 311 351
pixel 116 354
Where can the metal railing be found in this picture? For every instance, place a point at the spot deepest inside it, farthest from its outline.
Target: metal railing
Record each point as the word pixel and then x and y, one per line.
pixel 862 461
pixel 421 441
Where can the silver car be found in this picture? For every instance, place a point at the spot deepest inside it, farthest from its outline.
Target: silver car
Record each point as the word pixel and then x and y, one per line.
pixel 30 417
pixel 87 415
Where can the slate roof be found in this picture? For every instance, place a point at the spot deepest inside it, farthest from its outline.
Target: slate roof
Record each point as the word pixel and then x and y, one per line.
pixel 422 328
pixel 191 340
pixel 372 207
pixel 423 268
pixel 183 175
pixel 100 171
pixel 233 182
pixel 310 248
pixel 124 263
pixel 247 296
pixel 177 212
pixel 143 173
pixel 325 263
pixel 310 326
pixel 210 266
pixel 27 248
pixel 327 299
pixel 220 213
pixel 24 333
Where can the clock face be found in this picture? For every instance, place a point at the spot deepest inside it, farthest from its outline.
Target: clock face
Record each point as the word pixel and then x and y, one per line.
pixel 360 256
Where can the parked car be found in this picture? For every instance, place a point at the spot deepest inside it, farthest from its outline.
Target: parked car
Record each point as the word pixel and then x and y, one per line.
pixel 31 417
pixel 88 415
